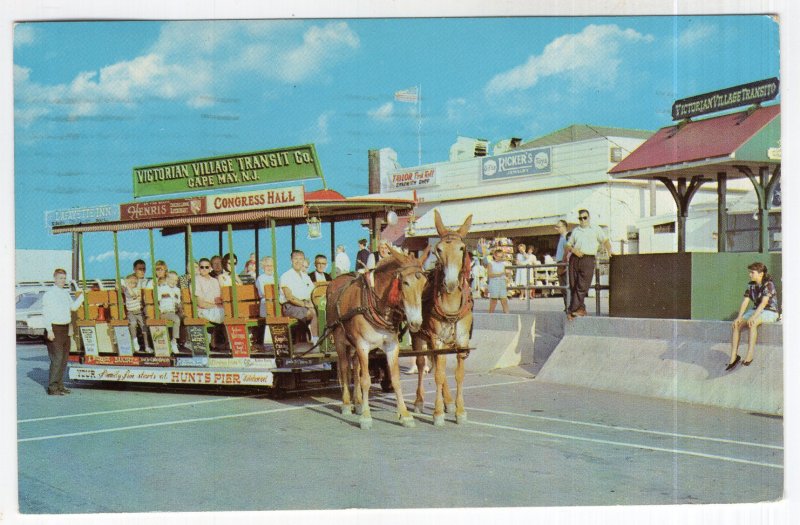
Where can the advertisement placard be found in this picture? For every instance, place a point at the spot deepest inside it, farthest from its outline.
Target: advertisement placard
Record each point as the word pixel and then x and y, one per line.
pixel 280 338
pixel 89 338
pixel 174 375
pixel 535 161
pixel 412 179
pixel 240 169
pixel 197 339
pixel 166 209
pixel 70 216
pixel 160 336
pixel 256 200
pixel 122 335
pixel 237 337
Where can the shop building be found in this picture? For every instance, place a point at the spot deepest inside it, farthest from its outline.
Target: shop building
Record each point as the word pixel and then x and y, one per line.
pixel 522 189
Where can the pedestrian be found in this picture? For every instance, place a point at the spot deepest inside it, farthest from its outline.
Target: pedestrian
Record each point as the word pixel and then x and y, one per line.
pixel 583 245
pixel 362 257
pixel 561 257
pixel 764 296
pixel 266 278
pixel 521 274
pixel 57 308
pixel 342 260
pixel 496 272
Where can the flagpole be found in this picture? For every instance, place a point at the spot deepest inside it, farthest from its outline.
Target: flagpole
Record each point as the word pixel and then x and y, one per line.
pixel 419 125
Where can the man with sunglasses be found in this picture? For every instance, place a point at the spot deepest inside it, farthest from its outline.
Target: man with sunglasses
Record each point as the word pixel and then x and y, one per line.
pixel 583 244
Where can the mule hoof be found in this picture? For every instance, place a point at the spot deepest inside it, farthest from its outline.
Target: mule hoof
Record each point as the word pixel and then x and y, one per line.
pixel 461 418
pixel 408 422
pixel 418 408
pixel 347 410
pixel 365 423
pixel 450 408
pixel 438 421
pixel 359 409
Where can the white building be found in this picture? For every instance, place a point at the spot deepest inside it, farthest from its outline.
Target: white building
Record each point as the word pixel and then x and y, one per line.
pixel 521 192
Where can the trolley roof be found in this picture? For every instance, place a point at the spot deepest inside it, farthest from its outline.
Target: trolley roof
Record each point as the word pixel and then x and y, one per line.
pixel 326 205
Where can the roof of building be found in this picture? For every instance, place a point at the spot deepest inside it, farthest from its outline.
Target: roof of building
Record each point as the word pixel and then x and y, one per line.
pixel 578 132
pixel 718 137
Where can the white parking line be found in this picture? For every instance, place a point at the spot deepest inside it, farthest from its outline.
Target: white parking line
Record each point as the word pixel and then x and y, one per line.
pixel 630 445
pixel 136 409
pixel 628 429
pixel 174 422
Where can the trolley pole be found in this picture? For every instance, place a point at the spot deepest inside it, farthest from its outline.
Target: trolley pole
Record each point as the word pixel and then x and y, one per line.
pixel 333 251
pixel 232 262
pixel 275 273
pixel 119 287
pixel 83 277
pixel 192 277
pixel 155 279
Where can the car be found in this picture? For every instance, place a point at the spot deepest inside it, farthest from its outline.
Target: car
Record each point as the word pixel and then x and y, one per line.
pixel 30 319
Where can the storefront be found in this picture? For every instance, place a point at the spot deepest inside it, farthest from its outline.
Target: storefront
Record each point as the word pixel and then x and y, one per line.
pixel 521 193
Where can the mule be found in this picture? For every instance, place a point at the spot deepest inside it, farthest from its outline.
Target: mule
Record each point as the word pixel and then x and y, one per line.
pixel 446 319
pixel 365 311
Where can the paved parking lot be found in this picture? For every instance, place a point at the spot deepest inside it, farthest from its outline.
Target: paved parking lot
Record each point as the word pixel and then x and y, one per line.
pixel 132 448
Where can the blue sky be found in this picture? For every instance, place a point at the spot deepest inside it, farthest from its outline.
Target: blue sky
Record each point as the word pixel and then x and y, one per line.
pixel 94 99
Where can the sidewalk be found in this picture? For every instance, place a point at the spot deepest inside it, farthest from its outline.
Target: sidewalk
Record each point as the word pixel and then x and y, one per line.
pixel 543 304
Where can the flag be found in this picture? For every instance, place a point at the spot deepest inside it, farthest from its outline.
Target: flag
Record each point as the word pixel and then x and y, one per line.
pixel 407 95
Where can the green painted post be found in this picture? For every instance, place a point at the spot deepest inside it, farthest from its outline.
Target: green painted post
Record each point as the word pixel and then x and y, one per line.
pixel 83 277
pixel 275 268
pixel 232 261
pixel 191 270
pixel 153 270
pixel 119 284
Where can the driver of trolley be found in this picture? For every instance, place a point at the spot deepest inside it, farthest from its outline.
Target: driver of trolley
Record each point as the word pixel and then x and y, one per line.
pixel 295 294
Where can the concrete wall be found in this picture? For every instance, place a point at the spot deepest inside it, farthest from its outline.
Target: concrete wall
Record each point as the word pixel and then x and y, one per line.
pixel 671 359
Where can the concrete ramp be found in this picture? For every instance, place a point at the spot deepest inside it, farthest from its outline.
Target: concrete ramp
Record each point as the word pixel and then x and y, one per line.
pixel 670 359
pixel 499 341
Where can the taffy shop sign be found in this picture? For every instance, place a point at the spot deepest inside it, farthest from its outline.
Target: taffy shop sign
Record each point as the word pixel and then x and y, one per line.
pixel 256 200
pixel 405 179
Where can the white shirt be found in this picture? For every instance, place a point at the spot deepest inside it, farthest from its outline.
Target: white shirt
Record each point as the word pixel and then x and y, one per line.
pixel 587 240
pixel 342 262
pixel 299 283
pixel 169 297
pixel 57 307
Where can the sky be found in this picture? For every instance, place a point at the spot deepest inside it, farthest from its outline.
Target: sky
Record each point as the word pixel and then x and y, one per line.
pixel 94 99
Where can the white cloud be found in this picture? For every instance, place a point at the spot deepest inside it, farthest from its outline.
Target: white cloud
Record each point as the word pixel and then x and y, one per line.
pixel 696 34
pixel 455 108
pixel 123 256
pixel 320 131
pixel 591 57
pixel 384 112
pixel 192 62
pixel 24 34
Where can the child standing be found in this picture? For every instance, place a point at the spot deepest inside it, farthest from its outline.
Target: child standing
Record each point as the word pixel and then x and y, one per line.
pixel 169 302
pixel 133 306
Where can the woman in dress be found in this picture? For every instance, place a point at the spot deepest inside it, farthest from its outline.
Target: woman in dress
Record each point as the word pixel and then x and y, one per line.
pixel 761 291
pixel 521 274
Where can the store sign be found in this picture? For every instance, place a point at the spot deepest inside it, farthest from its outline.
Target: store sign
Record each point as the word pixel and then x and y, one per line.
pixel 137 211
pixel 742 95
pixel 70 216
pixel 191 361
pixel 174 376
pixel 256 200
pixel 261 167
pixel 412 179
pixel 119 360
pixel 519 163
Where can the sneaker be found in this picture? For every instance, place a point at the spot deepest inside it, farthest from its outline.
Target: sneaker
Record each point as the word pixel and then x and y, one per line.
pixel 175 347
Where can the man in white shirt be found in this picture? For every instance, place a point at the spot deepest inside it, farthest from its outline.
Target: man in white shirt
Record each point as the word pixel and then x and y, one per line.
pixel 57 308
pixel 295 293
pixel 342 261
pixel 583 244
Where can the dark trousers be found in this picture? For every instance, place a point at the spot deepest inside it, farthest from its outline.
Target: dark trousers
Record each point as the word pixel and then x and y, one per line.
pixel 563 280
pixel 58 349
pixel 581 271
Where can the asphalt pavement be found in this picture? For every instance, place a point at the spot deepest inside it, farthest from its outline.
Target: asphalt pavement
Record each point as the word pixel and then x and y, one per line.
pixel 140 448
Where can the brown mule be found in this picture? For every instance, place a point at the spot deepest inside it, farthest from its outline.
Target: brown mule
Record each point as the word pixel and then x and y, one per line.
pixel 446 319
pixel 364 312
